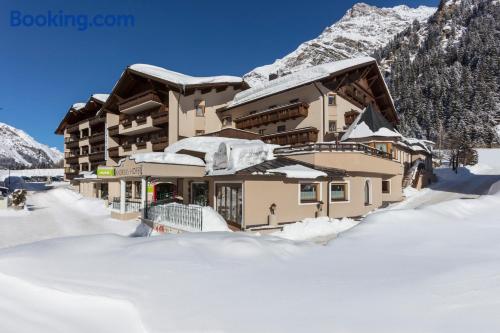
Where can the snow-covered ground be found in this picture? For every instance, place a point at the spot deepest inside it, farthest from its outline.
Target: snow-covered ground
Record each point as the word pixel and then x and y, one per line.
pixel 58 212
pixel 433 267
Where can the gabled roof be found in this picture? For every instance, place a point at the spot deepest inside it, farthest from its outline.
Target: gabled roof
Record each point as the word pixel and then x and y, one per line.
pixel 297 79
pixel 370 123
pixel 77 111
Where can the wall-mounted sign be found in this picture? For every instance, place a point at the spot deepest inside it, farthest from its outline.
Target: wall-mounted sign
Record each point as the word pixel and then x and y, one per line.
pixel 124 171
pixel 104 171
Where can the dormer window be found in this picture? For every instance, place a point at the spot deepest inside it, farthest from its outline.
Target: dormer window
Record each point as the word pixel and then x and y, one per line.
pixel 200 108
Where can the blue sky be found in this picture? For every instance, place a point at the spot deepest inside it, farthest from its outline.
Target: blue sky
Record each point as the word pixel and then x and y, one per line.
pixel 46 69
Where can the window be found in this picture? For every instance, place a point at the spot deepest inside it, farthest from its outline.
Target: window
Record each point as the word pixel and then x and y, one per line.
pixel 128 190
pixel 339 192
pixel 262 131
pixel 137 190
pixel 226 121
pixel 229 202
pixel 199 132
pixel 332 100
pixel 309 193
pixel 281 128
pixel 381 147
pixel 332 126
pixel 199 193
pixel 386 186
pixel 367 190
pixel 200 109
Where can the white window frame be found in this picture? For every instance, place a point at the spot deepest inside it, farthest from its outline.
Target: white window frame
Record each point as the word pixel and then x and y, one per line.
pixel 348 184
pixel 390 186
pixel 334 99
pixel 310 203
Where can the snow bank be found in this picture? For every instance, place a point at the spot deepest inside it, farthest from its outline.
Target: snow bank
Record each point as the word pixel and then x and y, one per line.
pixel 298 171
pixel 315 228
pixel 167 158
pixel 212 221
pixel 92 207
pixel 182 79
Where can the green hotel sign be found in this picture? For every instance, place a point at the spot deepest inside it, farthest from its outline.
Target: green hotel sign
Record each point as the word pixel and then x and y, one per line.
pixel 105 172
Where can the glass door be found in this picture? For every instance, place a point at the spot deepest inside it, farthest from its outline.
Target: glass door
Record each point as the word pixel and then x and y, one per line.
pixel 229 202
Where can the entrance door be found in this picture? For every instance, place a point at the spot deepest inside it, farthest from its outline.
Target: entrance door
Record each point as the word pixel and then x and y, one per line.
pixel 165 192
pixel 199 193
pixel 229 203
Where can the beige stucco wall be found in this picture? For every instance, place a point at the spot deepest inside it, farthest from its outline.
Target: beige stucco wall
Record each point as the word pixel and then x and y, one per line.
pixel 183 121
pixel 260 194
pixel 352 162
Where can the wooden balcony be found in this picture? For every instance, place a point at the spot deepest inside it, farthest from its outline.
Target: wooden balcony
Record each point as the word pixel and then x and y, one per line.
pixel 159 144
pixel 293 137
pixel 97 137
pixel 73 128
pixel 140 102
pixel 333 147
pixel 114 152
pixel 71 170
pixel 113 130
pixel 160 117
pixel 97 120
pixel 140 145
pixel 126 122
pixel 273 115
pixel 71 139
pixel 96 156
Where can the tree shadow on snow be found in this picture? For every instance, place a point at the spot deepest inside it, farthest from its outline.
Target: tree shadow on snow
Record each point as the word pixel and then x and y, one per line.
pixel 463 182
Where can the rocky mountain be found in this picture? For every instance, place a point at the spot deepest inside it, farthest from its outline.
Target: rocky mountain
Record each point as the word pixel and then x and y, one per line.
pixel 444 75
pixel 361 31
pixel 20 150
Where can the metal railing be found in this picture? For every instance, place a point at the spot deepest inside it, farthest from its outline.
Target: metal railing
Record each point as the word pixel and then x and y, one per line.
pixel 130 205
pixel 179 216
pixel 332 146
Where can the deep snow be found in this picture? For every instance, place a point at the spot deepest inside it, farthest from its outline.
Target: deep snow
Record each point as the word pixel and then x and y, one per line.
pixel 432 268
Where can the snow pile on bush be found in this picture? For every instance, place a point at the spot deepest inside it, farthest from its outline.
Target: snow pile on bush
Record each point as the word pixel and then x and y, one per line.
pixel 315 228
pixel 89 206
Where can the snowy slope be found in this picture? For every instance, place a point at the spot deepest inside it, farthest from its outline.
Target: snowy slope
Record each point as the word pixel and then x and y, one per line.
pixel 19 149
pixel 359 32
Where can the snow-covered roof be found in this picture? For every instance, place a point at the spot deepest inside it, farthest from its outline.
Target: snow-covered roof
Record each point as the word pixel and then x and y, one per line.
pixel 78 106
pixel 182 79
pixel 167 158
pixel 298 171
pixel 370 123
pixel 296 79
pixel 101 97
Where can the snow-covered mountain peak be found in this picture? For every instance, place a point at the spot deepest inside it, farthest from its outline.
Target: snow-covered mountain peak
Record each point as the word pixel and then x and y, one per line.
pixel 19 149
pixel 362 30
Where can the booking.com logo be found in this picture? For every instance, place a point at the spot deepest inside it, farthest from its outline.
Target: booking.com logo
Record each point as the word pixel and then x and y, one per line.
pixel 81 22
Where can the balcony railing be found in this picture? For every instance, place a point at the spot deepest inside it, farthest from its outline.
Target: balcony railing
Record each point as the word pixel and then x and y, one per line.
pixel 96 156
pixel 73 128
pixel 71 170
pixel 273 115
pixel 126 122
pixel 71 139
pixel 159 117
pixel 113 130
pixel 293 137
pixel 97 120
pixel 144 97
pixel 114 152
pixel 159 144
pixel 333 147
pixel 97 137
